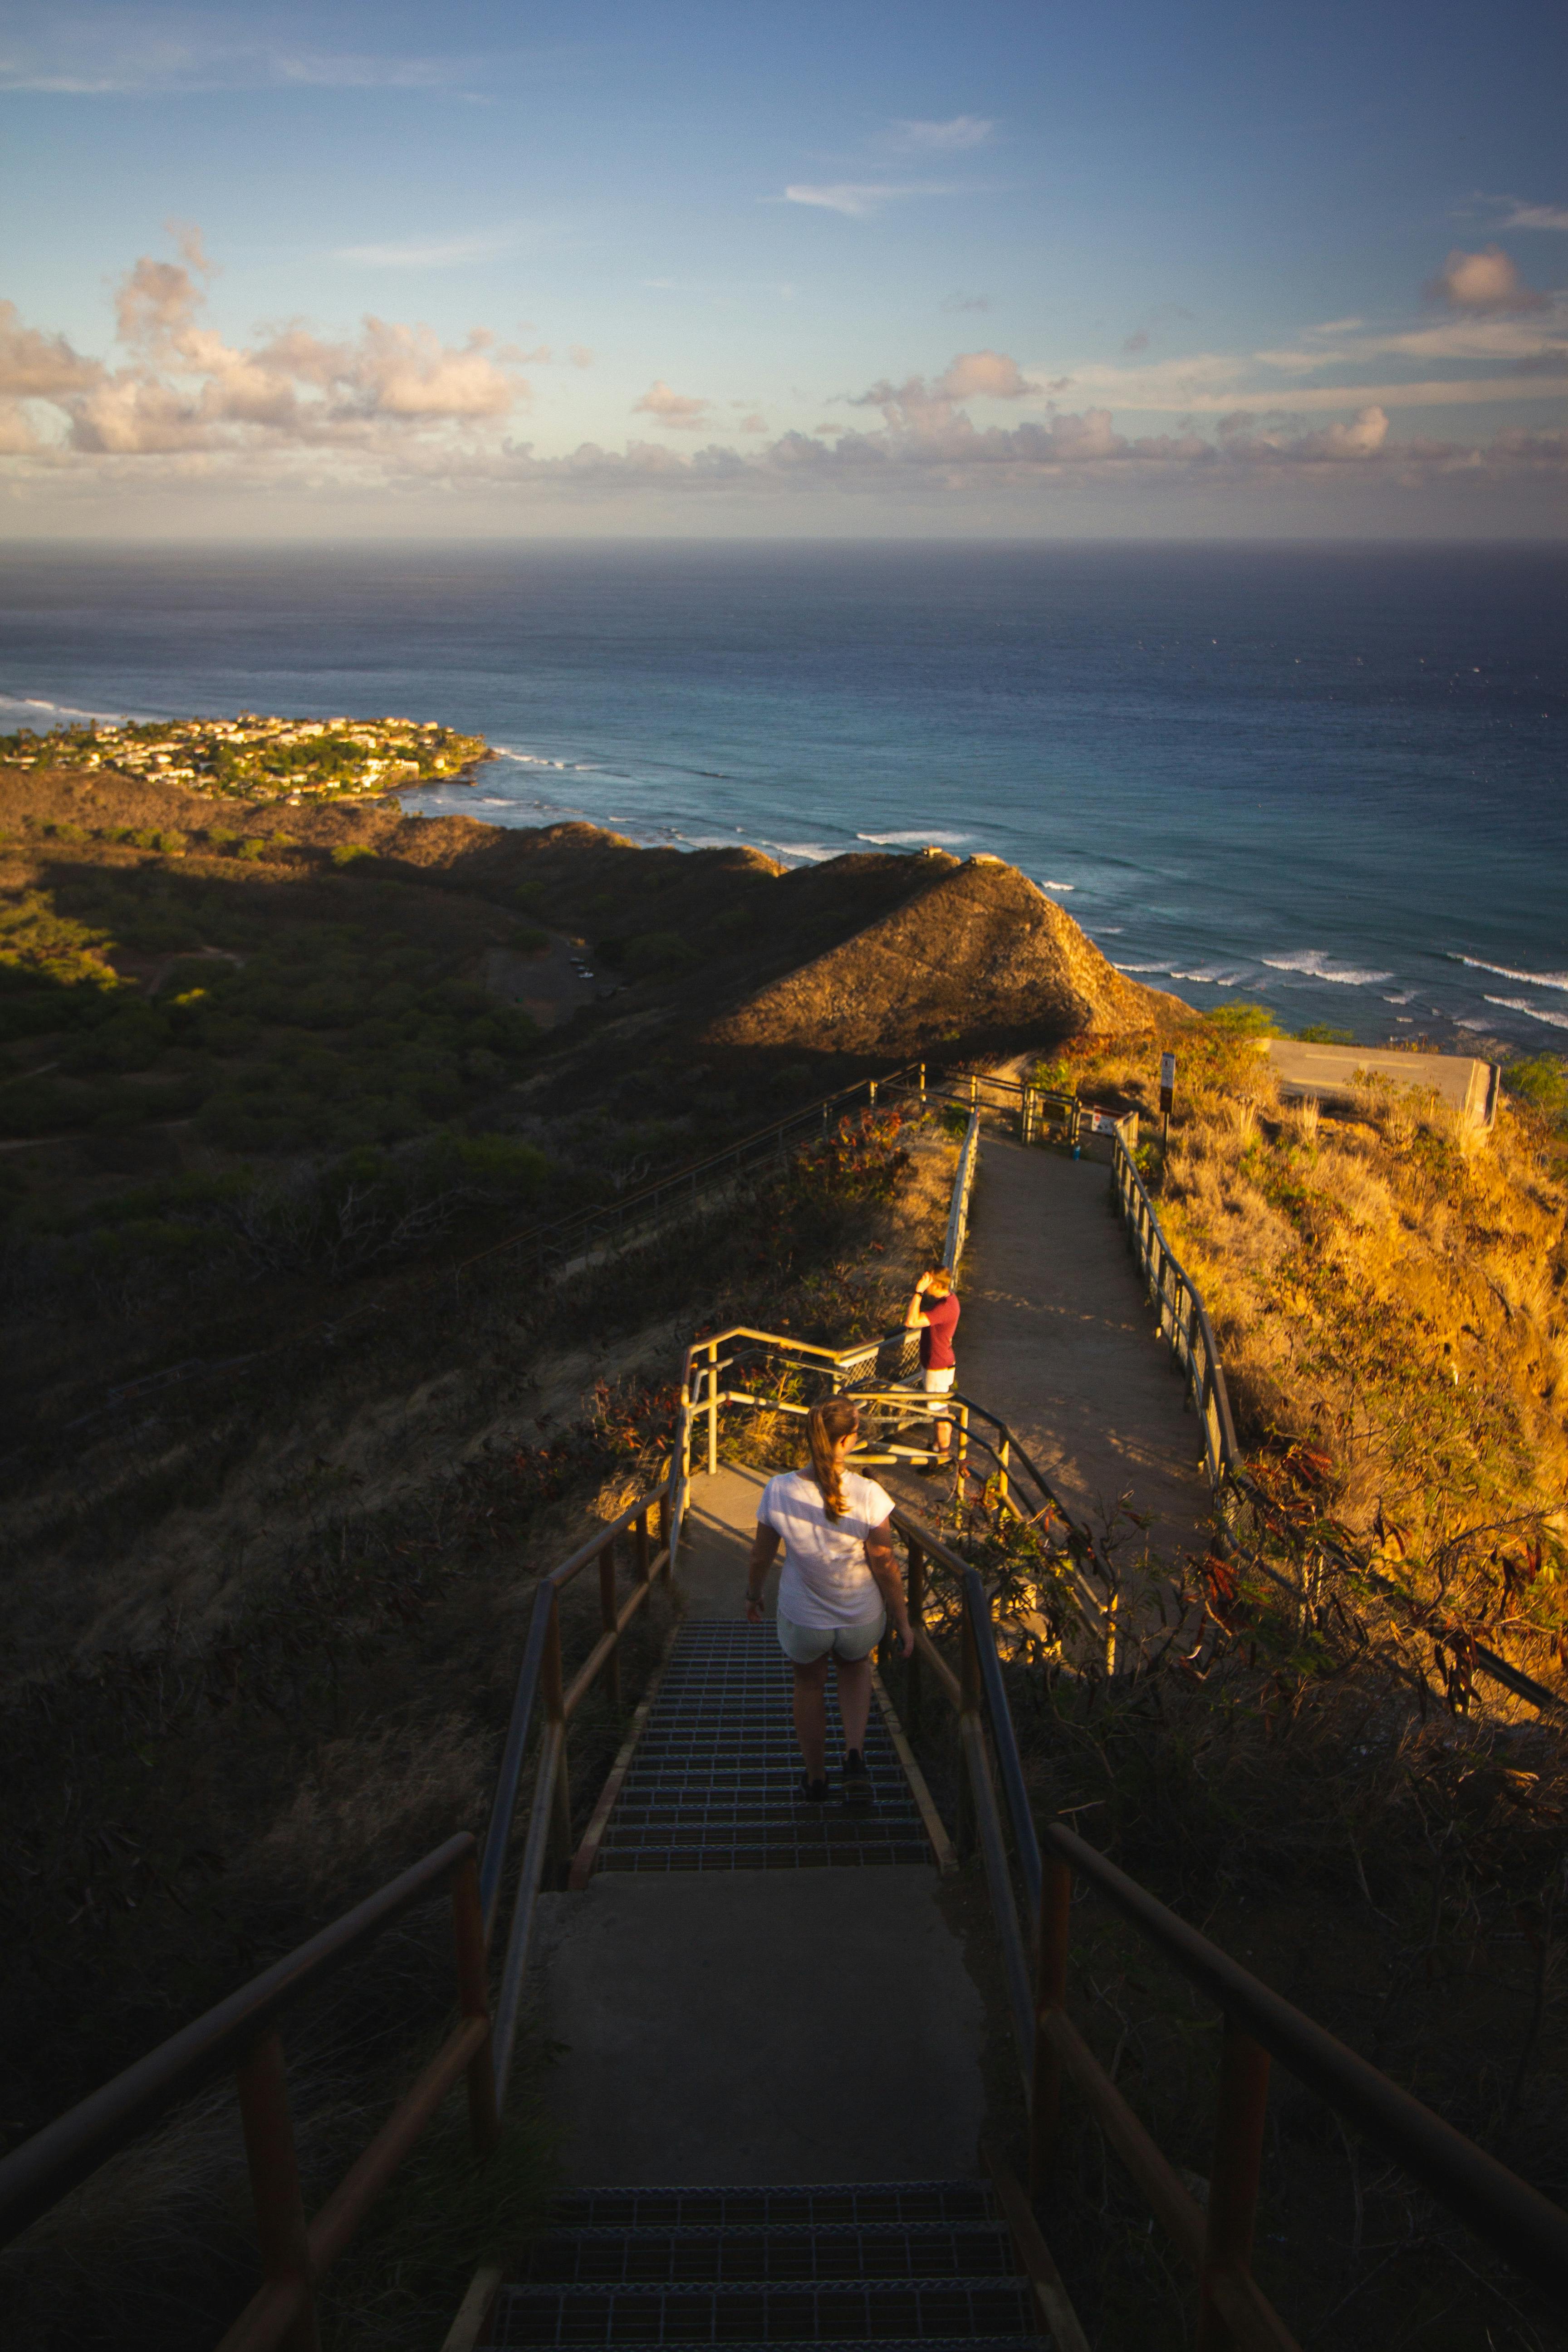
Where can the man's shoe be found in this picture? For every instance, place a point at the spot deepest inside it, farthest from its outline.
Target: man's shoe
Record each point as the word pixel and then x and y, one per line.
pixel 856 1779
pixel 814 1792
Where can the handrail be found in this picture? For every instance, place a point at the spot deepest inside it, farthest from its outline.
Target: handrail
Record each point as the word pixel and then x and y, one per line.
pixel 1193 1342
pixel 554 1239
pixel 242 2031
pixel 1515 2219
pixel 242 2028
pixel 962 1185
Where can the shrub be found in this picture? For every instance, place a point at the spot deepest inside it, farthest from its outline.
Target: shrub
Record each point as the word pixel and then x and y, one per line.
pixel 350 853
pixel 660 955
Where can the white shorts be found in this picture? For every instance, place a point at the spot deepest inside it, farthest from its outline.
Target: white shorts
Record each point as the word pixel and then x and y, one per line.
pixel 938 1384
pixel 804 1645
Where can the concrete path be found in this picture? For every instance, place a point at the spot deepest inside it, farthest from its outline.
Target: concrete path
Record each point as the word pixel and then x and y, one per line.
pixel 1057 1337
pixel 758 2026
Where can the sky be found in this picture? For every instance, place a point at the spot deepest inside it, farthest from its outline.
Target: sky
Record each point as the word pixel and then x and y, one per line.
pixel 819 270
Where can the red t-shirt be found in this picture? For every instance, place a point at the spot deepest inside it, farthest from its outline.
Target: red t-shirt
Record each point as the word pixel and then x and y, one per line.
pixel 936 1333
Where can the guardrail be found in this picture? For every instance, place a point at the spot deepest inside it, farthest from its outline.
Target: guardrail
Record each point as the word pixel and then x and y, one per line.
pixel 564 1239
pixel 243 2031
pixel 1185 1326
pixel 1526 2228
pixel 962 1186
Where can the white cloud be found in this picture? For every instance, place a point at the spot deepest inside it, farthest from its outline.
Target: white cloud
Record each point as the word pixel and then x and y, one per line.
pixel 187 389
pixel 392 408
pixel 950 138
pixel 1538 216
pixel 983 375
pixel 580 355
pixel 956 302
pixel 1484 281
pixel 859 197
pixel 673 408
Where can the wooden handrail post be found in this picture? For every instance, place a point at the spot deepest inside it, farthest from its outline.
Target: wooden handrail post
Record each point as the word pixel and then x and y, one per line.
pixel 553 1691
pixel 1233 2177
pixel 963 1463
pixel 275 2183
pixel 922 1085
pixel 474 2001
pixel 607 1619
pixel 643 1552
pixel 917 1599
pixel 712 1408
pixel 1050 1993
pixel 1003 1454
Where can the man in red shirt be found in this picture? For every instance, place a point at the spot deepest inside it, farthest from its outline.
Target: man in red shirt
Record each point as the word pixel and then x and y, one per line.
pixel 933 1312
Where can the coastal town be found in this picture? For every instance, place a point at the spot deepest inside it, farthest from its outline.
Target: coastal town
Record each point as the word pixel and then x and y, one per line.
pixel 254 758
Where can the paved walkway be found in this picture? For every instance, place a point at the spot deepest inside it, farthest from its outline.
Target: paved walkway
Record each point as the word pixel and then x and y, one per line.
pixel 1057 1337
pixel 758 2024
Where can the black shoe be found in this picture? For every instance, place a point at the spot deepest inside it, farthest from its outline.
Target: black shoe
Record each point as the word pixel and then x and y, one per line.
pixel 814 1792
pixel 856 1779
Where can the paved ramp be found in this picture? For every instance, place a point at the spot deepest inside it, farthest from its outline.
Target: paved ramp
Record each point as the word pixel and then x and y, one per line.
pixel 1057 1337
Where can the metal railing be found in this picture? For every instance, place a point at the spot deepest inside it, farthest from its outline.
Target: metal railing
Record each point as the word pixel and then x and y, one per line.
pixel 243 2031
pixel 1185 1326
pixel 1184 1319
pixel 962 1186
pixel 565 1239
pixel 1526 2228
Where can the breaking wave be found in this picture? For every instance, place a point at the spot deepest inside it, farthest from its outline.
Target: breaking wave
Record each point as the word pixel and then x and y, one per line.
pixel 1506 971
pixel 1536 1012
pixel 1313 964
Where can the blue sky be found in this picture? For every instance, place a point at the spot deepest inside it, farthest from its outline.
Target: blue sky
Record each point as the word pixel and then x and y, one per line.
pixel 854 269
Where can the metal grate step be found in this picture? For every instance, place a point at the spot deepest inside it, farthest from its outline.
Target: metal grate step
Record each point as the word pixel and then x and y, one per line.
pixel 877 2265
pixel 849 2311
pixel 867 2204
pixel 714 1780
pixel 741 2255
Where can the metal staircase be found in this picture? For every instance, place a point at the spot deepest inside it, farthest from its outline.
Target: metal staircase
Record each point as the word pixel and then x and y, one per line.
pixel 713 1782
pixel 889 2264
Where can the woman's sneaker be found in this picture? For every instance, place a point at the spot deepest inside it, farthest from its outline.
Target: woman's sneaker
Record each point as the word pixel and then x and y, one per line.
pixel 814 1792
pixel 856 1779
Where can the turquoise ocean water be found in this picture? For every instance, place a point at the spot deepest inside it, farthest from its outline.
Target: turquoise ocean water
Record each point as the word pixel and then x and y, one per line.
pixel 1329 779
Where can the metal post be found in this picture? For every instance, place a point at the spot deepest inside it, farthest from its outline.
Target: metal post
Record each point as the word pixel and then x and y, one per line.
pixel 473 2000
pixel 1233 2177
pixel 275 2183
pixel 712 1408
pixel 973 1091
pixel 607 1619
pixel 963 1463
pixel 922 1085
pixel 551 1690
pixel 873 1083
pixel 1051 1994
pixel 1004 1453
pixel 917 1597
pixel 969 1703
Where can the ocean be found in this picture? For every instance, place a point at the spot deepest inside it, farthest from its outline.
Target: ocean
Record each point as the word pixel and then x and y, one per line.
pixel 1326 779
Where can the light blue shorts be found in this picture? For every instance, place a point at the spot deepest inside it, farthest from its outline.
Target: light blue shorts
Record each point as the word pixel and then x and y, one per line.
pixel 804 1645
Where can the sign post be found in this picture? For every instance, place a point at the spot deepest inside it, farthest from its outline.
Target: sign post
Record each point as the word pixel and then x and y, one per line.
pixel 1167 1094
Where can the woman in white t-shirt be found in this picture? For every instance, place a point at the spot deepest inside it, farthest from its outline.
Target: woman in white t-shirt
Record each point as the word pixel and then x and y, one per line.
pixel 840 1584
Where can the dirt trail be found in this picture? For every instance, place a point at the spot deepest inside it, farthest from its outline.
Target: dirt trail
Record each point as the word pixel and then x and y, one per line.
pixel 1057 1337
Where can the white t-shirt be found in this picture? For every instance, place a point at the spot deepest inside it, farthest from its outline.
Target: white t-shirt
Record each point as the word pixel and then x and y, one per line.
pixel 825 1580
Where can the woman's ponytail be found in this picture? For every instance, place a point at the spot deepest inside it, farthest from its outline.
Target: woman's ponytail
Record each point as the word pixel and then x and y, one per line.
pixel 826 1424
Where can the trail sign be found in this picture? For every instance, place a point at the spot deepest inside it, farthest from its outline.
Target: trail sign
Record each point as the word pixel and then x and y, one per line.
pixel 1167 1082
